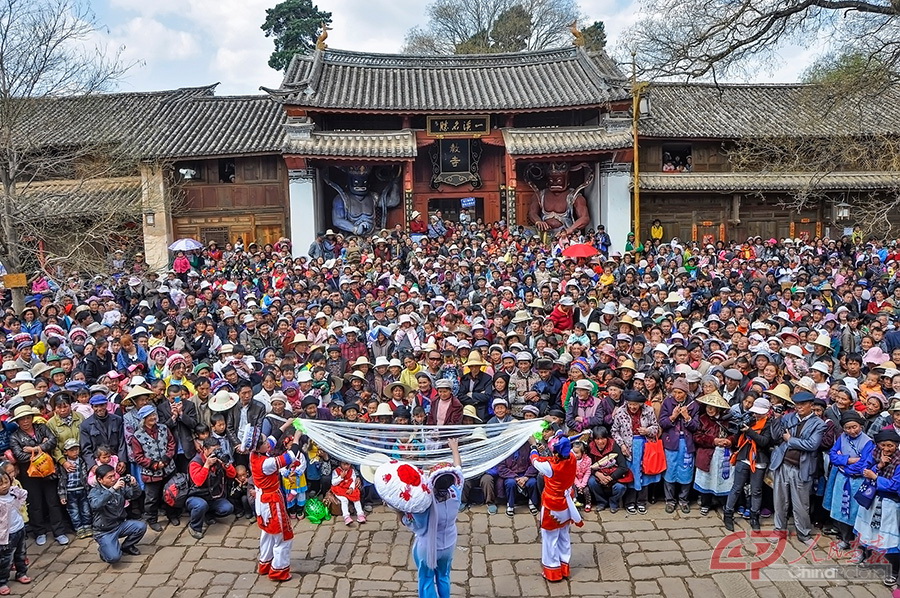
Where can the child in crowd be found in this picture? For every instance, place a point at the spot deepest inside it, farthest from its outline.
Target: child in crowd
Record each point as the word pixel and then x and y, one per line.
pixel 12 470
pixel 419 416
pixel 201 433
pixel 582 475
pixel 105 456
pixel 239 493
pixel 293 482
pixel 579 335
pixel 73 489
pixel 346 486
pixel 12 531
pixel 219 432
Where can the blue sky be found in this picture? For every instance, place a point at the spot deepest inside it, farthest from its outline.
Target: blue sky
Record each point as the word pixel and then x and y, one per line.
pixel 176 43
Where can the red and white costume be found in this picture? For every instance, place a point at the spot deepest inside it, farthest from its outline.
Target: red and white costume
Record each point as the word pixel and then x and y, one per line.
pixel 271 514
pixel 557 512
pixel 346 487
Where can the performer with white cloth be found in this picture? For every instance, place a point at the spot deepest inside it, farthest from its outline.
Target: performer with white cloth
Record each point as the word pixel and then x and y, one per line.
pixel 557 505
pixel 429 504
pixel 272 517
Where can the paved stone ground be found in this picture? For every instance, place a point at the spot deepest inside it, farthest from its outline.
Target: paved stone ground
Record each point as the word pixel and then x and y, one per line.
pixel 614 555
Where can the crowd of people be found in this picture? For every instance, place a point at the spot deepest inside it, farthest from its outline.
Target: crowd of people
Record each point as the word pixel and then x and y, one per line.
pixel 748 380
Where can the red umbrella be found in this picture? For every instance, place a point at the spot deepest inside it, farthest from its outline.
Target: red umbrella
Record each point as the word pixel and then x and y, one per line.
pixel 580 250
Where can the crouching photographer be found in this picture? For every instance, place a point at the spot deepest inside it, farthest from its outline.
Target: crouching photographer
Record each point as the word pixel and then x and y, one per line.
pixel 107 500
pixel 209 470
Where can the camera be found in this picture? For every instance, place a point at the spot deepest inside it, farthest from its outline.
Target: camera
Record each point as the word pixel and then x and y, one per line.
pixel 736 423
pixel 128 479
pixel 222 456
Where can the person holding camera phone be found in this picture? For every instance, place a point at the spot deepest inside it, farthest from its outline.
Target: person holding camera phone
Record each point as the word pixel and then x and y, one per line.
pixel 107 500
pixel 209 470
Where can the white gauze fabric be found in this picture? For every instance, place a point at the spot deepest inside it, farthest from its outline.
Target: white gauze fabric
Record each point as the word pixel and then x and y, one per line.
pixel 480 447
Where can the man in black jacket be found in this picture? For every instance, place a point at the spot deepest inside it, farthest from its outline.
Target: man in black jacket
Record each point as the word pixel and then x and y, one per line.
pixel 107 500
pixel 103 429
pixel 180 417
pixel 475 387
pixel 248 412
pixel 98 362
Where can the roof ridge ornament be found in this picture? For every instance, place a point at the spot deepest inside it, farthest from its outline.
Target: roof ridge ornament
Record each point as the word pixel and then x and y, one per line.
pixel 578 35
pixel 320 41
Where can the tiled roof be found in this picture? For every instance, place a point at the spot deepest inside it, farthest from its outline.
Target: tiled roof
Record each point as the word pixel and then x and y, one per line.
pixel 730 111
pixel 175 123
pixel 70 198
pixel 339 79
pixel 560 140
pixel 218 126
pixel 768 181
pixel 364 144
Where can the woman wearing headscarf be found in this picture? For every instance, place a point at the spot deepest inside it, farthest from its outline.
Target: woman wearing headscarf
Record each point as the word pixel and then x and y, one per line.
pixel 153 450
pixel 849 456
pixel 678 419
pixel 878 524
pixel 633 424
pixel 714 441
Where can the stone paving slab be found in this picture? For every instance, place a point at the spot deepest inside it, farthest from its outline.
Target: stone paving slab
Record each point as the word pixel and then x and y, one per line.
pixel 498 556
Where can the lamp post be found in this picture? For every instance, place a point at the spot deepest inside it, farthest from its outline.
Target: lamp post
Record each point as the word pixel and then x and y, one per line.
pixel 636 89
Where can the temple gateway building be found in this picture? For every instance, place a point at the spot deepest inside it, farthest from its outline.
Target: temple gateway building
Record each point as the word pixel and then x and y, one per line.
pixel 371 139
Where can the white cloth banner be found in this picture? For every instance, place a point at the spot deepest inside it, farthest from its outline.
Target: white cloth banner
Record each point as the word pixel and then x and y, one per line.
pixel 480 447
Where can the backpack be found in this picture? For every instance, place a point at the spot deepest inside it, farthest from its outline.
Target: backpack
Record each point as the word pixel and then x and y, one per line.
pixel 175 492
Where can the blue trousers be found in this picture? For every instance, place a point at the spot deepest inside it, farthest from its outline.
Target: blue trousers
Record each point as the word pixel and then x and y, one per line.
pixel 130 529
pixel 512 488
pixel 606 495
pixel 79 508
pixel 434 583
pixel 198 508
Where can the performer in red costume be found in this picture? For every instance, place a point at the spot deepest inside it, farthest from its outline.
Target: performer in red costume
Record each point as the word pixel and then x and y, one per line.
pixel 271 512
pixel 557 505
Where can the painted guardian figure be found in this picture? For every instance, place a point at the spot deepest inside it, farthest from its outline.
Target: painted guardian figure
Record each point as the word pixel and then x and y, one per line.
pixel 557 206
pixel 358 208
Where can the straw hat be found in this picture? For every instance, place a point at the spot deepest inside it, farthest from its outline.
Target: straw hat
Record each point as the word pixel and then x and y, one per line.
pixel 628 365
pixel 388 390
pixel 355 374
pixel 475 360
pixel 823 341
pixel 673 297
pixel 714 399
pixel 223 401
pixel 521 316
pixel 24 411
pixel 469 411
pixel 362 360
pixel 477 434
pixel 782 391
pixel 368 467
pixel 384 410
pixel 26 389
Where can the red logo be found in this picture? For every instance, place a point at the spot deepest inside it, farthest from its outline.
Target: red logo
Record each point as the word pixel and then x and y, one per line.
pixel 728 555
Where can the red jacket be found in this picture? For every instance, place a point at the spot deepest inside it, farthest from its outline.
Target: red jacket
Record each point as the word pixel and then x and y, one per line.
pixel 562 321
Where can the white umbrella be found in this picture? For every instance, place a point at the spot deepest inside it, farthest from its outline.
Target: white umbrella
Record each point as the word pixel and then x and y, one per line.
pixel 185 245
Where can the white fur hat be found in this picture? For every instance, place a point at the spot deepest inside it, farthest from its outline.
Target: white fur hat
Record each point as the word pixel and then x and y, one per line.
pixel 403 487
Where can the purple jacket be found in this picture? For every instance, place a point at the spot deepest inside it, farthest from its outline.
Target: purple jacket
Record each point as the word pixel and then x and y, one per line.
pixel 672 432
pixel 518 464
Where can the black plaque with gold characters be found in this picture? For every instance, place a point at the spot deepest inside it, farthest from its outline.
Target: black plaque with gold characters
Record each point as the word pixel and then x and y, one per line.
pixel 458 126
pixel 455 162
